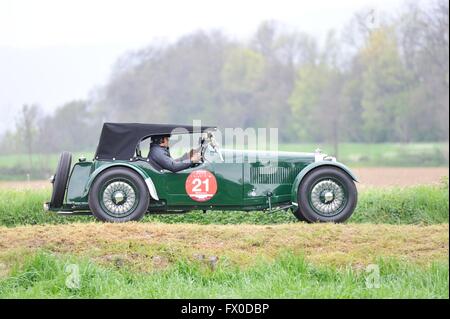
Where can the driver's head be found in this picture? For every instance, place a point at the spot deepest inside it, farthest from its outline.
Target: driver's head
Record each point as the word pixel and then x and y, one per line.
pixel 162 140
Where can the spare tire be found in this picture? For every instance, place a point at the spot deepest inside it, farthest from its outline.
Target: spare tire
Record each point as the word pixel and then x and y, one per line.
pixel 60 180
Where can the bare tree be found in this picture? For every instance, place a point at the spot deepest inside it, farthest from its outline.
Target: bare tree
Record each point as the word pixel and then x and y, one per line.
pixel 27 128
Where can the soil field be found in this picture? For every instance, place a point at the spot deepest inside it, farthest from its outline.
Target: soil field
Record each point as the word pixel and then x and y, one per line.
pixel 400 176
pixel 148 245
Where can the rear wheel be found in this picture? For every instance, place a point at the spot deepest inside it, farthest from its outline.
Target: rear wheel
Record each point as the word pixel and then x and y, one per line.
pixel 297 213
pixel 118 195
pixel 60 179
pixel 326 194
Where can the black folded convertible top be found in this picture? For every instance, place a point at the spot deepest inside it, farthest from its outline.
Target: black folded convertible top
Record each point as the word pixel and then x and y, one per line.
pixel 119 140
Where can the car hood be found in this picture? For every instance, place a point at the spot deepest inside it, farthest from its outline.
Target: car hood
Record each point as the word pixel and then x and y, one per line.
pixel 249 156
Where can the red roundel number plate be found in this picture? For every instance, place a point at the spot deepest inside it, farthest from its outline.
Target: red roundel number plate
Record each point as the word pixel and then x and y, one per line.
pixel 201 185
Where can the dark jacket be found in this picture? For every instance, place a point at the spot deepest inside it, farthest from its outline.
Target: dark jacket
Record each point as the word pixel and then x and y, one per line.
pixel 160 157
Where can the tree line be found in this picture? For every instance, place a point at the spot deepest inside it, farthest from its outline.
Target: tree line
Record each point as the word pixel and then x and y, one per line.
pixel 382 79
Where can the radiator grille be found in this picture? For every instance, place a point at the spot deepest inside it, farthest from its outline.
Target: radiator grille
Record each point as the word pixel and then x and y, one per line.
pixel 273 175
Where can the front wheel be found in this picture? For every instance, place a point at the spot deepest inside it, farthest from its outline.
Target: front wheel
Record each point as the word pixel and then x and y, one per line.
pixel 118 195
pixel 326 194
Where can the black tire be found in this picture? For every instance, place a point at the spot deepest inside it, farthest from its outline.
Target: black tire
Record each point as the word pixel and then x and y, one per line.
pixel 60 180
pixel 118 180
pixel 313 206
pixel 298 214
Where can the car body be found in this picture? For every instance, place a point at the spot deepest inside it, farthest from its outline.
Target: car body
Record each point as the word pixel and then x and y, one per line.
pixel 246 181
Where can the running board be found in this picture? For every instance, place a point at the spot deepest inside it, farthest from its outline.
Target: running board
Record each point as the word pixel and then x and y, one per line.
pixel 73 213
pixel 65 212
pixel 270 211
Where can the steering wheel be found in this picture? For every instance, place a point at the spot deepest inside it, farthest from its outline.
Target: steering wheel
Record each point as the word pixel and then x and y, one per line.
pixel 203 149
pixel 204 143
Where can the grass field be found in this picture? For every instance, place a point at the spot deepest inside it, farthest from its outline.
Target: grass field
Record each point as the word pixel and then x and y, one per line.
pixel 386 154
pixel 396 245
pixel 16 167
pixel 425 204
pixel 45 276
pixel 186 260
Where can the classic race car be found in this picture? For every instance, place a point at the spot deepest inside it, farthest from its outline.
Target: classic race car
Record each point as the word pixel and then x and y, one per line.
pixel 120 184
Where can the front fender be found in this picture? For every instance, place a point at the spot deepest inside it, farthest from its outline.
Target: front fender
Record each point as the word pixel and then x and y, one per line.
pixel 312 166
pixel 148 181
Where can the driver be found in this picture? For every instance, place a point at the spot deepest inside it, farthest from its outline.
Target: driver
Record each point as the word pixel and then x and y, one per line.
pixel 160 155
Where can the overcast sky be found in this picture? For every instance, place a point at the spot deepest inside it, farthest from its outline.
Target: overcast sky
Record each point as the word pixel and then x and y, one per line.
pixel 54 51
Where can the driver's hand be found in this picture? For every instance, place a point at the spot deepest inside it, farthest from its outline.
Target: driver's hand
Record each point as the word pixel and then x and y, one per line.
pixel 195 157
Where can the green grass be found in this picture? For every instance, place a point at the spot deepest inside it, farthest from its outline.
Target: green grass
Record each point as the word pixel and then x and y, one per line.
pixel 413 205
pixel 21 207
pixel 44 276
pixel 386 154
pixel 16 166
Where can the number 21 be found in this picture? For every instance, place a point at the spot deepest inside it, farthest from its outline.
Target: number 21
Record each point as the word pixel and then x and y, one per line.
pixel 197 182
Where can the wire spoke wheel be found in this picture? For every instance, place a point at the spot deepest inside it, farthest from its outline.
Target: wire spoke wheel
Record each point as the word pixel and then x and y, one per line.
pixel 119 195
pixel 327 197
pixel 326 194
pixel 118 198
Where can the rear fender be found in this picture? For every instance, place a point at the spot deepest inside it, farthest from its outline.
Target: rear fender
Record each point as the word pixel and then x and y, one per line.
pixel 148 181
pixel 309 168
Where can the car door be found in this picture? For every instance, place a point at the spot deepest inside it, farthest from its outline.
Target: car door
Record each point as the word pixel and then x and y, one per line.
pixel 222 181
pixel 229 175
pixel 176 185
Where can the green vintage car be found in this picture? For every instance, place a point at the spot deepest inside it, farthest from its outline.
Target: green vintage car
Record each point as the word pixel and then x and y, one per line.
pixel 122 184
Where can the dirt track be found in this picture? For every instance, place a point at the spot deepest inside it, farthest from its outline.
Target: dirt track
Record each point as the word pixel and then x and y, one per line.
pixel 25 184
pixel 141 244
pixel 368 177
pixel 400 176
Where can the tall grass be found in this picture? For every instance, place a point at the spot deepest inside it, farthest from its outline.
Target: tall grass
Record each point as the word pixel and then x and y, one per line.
pixel 25 207
pixel 289 276
pixel 413 205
